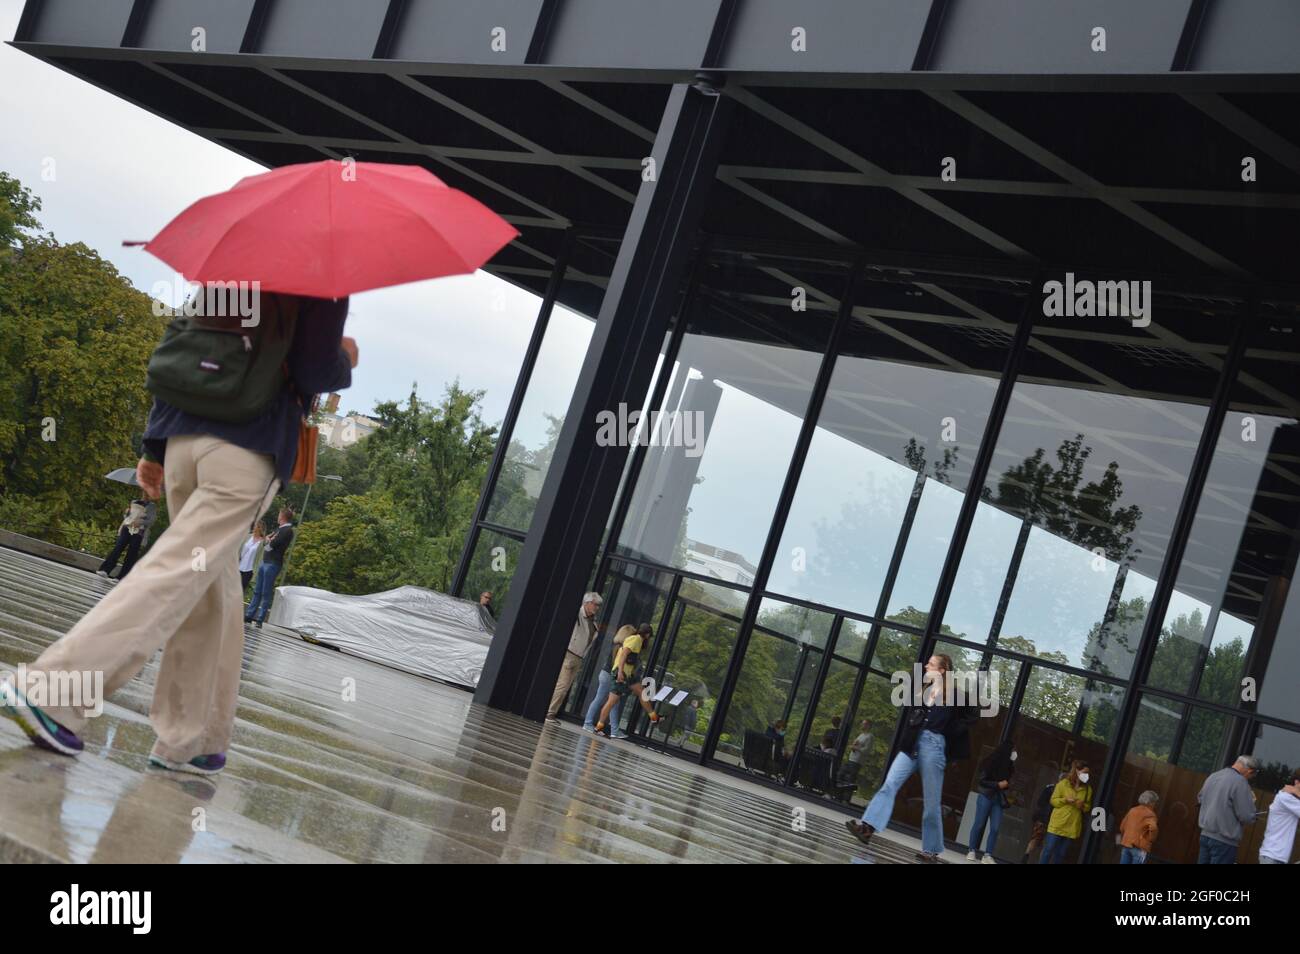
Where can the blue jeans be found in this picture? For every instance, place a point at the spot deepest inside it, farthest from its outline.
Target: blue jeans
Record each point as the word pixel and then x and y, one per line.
pixel 987 809
pixel 929 756
pixel 1215 852
pixel 1054 848
pixel 263 592
pixel 1132 856
pixel 603 682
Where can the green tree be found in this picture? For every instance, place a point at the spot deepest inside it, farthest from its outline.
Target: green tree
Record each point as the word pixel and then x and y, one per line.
pixel 74 341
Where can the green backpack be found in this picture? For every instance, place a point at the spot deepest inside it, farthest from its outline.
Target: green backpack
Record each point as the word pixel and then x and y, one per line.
pixel 213 367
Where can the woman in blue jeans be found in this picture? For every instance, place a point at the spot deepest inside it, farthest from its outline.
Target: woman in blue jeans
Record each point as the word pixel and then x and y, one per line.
pixel 994 779
pixel 933 735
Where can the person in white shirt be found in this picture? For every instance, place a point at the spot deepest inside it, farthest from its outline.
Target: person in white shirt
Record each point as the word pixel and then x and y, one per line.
pixel 1279 834
pixel 248 556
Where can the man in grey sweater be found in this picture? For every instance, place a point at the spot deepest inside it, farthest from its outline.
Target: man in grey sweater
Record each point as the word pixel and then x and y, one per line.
pixel 1227 804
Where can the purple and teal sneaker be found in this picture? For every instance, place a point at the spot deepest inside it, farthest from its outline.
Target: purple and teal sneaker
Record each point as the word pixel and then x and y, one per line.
pixel 199 765
pixel 39 727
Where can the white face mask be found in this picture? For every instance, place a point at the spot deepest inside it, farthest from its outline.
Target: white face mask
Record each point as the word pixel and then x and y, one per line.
pixel 1083 777
pixel 1014 756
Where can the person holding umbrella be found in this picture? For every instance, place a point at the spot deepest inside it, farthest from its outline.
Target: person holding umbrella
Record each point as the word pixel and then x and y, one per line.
pixel 231 391
pixel 131 535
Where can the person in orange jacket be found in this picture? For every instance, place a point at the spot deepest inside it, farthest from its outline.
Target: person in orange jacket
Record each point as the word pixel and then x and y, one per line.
pixel 1139 830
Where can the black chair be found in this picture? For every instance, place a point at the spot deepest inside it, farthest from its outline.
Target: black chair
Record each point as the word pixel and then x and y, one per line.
pixel 757 753
pixel 815 770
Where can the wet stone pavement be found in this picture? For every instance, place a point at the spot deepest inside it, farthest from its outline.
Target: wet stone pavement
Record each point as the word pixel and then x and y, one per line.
pixel 411 771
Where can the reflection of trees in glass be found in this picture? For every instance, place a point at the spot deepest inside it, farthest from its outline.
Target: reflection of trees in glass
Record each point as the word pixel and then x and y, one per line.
pixel 1178 653
pixel 1050 497
pixel 914 455
pixel 522 471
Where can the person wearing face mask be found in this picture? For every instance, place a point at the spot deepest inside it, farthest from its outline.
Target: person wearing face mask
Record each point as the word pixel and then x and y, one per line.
pixel 934 734
pixel 994 779
pixel 1071 801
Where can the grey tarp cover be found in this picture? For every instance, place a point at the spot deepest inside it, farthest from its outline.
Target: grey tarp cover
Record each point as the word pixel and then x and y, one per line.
pixel 420 631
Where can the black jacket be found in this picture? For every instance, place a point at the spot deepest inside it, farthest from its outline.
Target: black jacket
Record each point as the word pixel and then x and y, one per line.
pixel 956 732
pixel 280 539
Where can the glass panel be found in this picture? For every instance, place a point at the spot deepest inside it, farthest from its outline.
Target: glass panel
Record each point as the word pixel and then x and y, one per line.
pixel 491 568
pixel 1089 469
pixel 1045 736
pixel 1172 750
pixel 889 461
pixel 776 678
pixel 696 646
pixel 1234 600
pixel 541 415
pixel 719 453
pixel 838 748
pixel 895 651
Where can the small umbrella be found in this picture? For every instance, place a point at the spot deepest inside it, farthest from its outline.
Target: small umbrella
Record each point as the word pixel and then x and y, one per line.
pixel 329 229
pixel 123 475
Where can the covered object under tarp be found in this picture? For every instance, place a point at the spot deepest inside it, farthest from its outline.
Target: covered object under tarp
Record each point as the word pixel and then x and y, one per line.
pixel 410 628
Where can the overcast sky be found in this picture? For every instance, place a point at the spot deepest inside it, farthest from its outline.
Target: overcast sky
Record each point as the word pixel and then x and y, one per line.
pixel 122 173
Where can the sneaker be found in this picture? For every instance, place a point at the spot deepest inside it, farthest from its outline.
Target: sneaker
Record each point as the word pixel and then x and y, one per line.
pixel 199 765
pixel 987 860
pixel 970 856
pixel 101 573
pixel 927 858
pixel 259 623
pixel 588 727
pixel 40 728
pixel 860 830
pixel 620 734
pixel 552 720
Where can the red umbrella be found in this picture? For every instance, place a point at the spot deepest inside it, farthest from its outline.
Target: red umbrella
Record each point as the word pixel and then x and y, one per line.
pixel 329 229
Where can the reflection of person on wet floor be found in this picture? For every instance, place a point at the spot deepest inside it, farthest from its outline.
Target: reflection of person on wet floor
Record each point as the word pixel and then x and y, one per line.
pixel 994 780
pixel 626 680
pixel 1071 801
pixel 131 536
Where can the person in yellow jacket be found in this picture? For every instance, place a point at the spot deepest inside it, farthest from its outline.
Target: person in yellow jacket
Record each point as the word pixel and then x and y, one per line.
pixel 1071 800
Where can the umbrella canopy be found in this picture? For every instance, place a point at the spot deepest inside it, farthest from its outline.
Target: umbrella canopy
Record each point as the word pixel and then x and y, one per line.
pixel 123 475
pixel 329 229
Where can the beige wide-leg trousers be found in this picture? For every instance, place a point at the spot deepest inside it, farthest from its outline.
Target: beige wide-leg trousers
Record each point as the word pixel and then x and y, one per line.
pixel 183 595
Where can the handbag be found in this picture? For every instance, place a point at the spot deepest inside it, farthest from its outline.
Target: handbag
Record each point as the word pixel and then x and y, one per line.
pixel 304 465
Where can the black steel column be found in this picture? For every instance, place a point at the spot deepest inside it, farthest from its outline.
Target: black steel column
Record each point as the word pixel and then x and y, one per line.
pixel 809 426
pixel 512 410
pixel 525 656
pixel 1169 567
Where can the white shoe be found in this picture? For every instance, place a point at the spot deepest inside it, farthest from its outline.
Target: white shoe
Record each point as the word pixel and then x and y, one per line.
pixel 987 860
pixel 552 720
pixel 101 573
pixel 970 856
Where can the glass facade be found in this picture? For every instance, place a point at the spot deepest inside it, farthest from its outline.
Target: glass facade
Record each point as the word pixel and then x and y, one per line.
pixel 837 489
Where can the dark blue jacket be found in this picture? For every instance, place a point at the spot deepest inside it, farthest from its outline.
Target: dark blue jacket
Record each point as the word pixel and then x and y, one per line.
pixel 317 363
